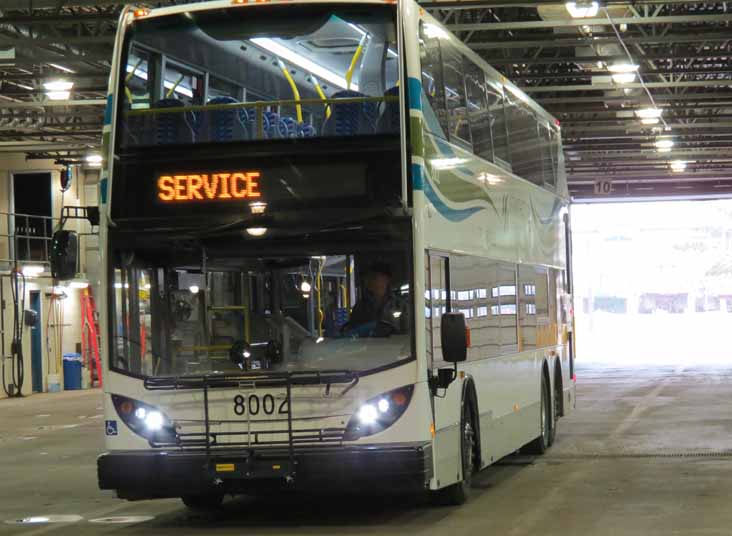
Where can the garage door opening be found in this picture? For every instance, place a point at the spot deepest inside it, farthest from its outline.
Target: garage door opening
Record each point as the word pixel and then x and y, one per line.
pixel 653 282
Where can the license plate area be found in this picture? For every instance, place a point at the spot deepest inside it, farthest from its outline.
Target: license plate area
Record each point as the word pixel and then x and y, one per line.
pixel 253 405
pixel 252 467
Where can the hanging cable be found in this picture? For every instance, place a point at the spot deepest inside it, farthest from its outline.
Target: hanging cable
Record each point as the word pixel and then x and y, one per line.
pixel 17 366
pixel 630 58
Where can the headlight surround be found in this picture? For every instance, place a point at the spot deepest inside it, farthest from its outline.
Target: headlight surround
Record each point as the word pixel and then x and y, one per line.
pixel 378 413
pixel 145 420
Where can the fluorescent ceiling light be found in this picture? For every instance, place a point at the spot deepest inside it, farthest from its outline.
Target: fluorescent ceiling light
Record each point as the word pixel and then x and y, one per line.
pixel 58 89
pixel 649 113
pixel 622 68
pixel 650 120
pixel 32 270
pixel 677 166
pixel 94 160
pixel 78 284
pixel 664 143
pixel 302 62
pixel 434 32
pixel 623 78
pixel 447 163
pixel 581 10
pixel 62 68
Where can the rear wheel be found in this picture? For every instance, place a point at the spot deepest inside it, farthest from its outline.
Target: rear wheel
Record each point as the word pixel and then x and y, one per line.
pixel 541 443
pixel 556 406
pixel 459 492
pixel 208 501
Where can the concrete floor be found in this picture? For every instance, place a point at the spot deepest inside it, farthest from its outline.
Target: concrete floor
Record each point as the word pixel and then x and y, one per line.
pixel 647 452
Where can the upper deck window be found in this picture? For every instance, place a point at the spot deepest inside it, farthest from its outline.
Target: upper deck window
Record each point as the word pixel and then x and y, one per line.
pixel 260 73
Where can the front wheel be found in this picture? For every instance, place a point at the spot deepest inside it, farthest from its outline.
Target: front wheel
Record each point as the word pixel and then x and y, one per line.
pixel 458 493
pixel 209 501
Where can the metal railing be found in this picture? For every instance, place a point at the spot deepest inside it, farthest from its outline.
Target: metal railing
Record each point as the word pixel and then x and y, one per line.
pixel 27 237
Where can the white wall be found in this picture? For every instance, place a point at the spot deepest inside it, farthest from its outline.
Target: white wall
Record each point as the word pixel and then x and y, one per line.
pixel 82 193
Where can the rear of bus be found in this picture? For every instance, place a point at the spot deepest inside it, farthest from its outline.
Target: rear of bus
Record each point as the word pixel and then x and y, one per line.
pixel 255 198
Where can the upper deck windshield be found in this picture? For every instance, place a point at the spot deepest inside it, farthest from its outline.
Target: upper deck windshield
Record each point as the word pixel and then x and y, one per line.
pixel 260 73
pixel 210 312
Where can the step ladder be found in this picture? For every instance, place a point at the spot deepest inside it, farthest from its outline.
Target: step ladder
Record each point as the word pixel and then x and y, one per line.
pixel 90 336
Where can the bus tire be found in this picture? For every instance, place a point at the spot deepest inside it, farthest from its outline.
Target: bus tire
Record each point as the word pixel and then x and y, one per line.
pixel 540 444
pixel 456 494
pixel 208 501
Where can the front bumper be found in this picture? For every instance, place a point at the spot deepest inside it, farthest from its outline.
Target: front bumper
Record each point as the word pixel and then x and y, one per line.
pixel 393 468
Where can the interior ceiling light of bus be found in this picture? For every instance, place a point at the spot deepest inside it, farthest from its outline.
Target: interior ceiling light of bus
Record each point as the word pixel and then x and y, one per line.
pixel 678 166
pixel 296 59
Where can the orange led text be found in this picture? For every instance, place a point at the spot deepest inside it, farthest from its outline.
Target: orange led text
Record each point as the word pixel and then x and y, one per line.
pixel 209 187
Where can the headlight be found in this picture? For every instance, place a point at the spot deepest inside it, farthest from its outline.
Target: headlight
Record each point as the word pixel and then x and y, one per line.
pixel 378 413
pixel 145 420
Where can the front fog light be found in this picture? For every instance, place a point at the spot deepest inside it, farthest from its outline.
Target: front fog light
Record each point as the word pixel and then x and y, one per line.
pixel 378 413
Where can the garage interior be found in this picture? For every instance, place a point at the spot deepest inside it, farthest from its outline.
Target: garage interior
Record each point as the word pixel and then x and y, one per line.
pixel 642 92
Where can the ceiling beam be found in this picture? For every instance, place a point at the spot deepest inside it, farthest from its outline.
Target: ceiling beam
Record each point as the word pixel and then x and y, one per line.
pixel 561 41
pixel 676 55
pixel 635 85
pixel 51 104
pixel 577 23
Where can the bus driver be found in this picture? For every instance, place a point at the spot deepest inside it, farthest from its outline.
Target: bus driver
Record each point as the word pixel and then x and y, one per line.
pixel 379 312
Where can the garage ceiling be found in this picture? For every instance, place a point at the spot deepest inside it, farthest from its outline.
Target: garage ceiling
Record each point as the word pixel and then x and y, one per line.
pixel 683 50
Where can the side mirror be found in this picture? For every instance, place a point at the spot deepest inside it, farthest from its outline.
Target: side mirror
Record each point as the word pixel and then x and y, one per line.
pixel 64 255
pixel 454 337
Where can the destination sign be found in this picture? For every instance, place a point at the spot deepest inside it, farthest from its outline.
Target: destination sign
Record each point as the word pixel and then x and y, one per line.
pixel 222 186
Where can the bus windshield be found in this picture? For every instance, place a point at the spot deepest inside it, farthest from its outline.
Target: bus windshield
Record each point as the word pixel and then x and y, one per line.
pixel 346 311
pixel 260 73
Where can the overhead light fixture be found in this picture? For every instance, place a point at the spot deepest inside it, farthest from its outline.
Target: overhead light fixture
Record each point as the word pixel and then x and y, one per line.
pixel 650 121
pixel 664 145
pixel 304 63
pixel 433 31
pixel 623 78
pixel 677 166
pixel 257 231
pixel 78 284
pixel 32 270
pixel 623 67
pixel 194 289
pixel 649 113
pixel 58 89
pixel 62 68
pixel 94 160
pixel 581 10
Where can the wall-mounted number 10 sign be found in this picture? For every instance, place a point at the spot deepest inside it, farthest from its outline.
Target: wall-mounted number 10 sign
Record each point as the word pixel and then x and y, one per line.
pixel 603 187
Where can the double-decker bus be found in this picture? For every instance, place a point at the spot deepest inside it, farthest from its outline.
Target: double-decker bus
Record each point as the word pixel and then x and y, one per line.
pixel 335 255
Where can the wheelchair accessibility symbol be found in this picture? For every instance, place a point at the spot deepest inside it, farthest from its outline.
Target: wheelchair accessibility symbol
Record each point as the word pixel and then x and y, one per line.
pixel 111 427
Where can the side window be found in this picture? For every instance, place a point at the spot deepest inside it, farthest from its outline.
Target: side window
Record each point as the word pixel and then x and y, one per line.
pixel 543 320
pixel 527 306
pixel 478 112
pixel 436 302
pixel 507 308
pixel 433 89
pixel 471 280
pixel 182 84
pixel 501 154
pixel 139 86
pixel 548 156
pixel 523 139
pixel 457 110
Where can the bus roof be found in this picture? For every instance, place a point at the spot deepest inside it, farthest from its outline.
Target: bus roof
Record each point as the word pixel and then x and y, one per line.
pixel 222 4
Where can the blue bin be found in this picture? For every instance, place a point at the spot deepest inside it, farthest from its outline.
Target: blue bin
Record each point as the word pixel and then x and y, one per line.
pixel 72 372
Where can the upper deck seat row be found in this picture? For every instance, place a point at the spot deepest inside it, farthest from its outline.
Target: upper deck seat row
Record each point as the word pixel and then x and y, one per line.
pixel 239 124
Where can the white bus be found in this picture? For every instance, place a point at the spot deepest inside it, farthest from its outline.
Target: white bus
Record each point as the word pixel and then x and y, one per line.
pixel 334 255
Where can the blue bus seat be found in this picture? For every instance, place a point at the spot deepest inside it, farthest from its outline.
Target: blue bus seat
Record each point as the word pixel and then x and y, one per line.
pixel 389 118
pixel 222 125
pixel 173 128
pixel 350 118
